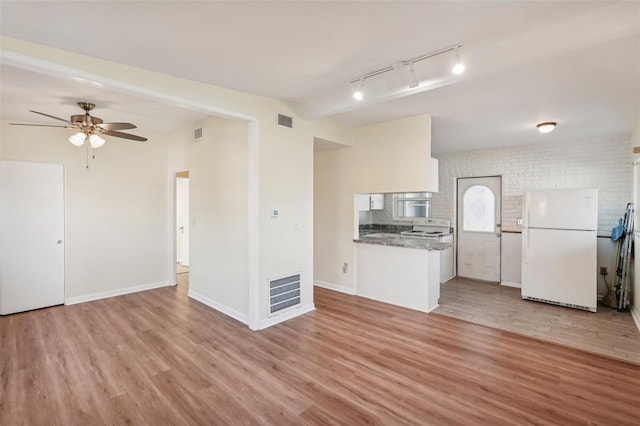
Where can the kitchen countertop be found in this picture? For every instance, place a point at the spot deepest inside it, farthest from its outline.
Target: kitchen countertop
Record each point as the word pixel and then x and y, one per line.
pixel 394 240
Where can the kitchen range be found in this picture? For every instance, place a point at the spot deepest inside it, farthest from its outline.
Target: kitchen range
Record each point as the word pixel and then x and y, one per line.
pixel 435 229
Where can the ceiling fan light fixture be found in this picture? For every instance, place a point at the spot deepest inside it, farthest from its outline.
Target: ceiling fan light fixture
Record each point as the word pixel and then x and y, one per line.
pixel 546 127
pixel 96 141
pixel 78 139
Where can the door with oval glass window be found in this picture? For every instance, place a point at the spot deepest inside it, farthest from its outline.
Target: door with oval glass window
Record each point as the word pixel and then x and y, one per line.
pixel 479 236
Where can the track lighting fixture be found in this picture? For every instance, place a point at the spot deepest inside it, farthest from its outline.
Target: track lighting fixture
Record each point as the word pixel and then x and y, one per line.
pixel 546 127
pixel 413 82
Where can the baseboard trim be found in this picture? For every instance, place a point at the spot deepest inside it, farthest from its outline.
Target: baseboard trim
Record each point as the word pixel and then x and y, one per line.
pixel 230 312
pixel 285 316
pixel 635 314
pixel 335 287
pixel 425 310
pixel 434 308
pixel 510 284
pixel 114 293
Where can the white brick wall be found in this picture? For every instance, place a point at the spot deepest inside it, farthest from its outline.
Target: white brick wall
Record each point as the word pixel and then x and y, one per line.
pixel 603 165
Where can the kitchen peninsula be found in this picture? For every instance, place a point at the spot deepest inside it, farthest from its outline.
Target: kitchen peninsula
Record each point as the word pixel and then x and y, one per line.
pixel 400 271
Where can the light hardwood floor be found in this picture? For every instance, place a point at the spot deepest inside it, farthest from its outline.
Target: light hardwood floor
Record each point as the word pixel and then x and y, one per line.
pixel 607 332
pixel 181 269
pixel 159 358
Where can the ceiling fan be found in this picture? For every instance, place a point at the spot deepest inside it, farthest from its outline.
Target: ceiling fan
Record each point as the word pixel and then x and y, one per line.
pixel 90 127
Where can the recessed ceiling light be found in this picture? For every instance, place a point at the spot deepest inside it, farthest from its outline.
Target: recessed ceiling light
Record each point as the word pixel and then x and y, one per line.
pixel 546 127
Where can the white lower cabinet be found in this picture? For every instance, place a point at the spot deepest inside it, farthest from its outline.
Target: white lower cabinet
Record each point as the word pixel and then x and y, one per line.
pixel 446 260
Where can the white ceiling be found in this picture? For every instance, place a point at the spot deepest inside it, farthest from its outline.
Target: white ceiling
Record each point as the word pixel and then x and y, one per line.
pixel 572 62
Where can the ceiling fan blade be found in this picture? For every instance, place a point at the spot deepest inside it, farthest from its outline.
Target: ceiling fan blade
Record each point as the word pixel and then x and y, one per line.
pixel 117 126
pixel 51 116
pixel 40 125
pixel 125 136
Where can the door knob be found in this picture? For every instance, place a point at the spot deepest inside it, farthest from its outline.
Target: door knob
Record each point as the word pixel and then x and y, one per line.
pixel 59 241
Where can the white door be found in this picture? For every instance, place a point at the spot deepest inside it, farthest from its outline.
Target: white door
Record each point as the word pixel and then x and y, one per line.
pixel 479 216
pixel 32 249
pixel 182 221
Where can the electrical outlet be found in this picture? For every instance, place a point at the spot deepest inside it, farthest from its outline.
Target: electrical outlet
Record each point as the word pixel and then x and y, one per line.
pixel 603 270
pixel 345 267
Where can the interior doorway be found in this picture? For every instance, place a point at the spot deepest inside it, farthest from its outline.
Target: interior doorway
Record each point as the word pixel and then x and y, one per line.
pixel 182 228
pixel 479 227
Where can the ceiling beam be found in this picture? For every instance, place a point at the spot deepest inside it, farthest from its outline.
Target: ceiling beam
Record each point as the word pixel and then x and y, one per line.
pixel 604 24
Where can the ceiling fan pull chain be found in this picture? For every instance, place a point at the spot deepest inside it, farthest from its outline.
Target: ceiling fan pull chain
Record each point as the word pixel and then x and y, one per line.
pixel 88 156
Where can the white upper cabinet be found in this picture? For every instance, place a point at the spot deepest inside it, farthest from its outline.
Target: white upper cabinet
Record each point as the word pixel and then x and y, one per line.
pixel 367 202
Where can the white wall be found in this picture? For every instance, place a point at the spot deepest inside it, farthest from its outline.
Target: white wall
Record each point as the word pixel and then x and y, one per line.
pixel 387 157
pixel 395 156
pixel 218 212
pixel 511 264
pixel 333 218
pixel 115 210
pixel 592 164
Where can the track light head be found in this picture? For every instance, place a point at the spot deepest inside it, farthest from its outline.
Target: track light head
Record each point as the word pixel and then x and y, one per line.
pixel 458 66
pixel 358 94
pixel 413 82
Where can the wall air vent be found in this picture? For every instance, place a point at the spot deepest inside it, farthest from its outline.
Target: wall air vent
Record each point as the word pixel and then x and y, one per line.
pixel 285 120
pixel 197 133
pixel 284 293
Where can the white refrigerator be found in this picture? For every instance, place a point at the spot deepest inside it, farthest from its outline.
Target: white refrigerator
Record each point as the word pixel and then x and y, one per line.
pixel 559 261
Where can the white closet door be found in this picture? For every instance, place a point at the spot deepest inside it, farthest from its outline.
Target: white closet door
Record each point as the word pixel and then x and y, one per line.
pixel 32 250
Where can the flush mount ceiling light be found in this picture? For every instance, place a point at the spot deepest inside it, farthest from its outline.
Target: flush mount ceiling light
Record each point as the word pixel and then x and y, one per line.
pixel 413 80
pixel 546 127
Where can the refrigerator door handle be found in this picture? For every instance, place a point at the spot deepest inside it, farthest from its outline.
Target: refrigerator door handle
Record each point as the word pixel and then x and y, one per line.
pixel 525 246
